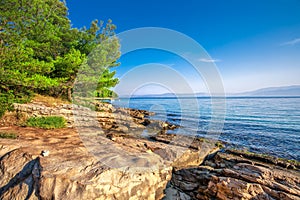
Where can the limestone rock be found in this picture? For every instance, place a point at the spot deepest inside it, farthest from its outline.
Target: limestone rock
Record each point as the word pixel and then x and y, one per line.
pixel 235 177
pixel 73 172
pixel 149 159
pixel 20 175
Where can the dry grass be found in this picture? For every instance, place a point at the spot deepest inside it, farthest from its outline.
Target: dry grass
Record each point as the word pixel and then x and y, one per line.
pixel 8 119
pixel 48 101
pixel 8 135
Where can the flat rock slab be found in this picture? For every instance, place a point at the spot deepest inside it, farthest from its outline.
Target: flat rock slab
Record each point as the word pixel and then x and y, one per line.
pixel 76 170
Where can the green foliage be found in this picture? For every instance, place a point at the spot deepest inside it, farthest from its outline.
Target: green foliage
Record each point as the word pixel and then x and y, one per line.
pixel 6 101
pixel 8 98
pixel 41 53
pixel 32 35
pixel 50 122
pixel 8 135
pixel 95 70
pixel 105 82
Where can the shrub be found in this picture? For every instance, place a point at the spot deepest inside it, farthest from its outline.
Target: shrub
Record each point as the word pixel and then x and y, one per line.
pixel 50 122
pixel 8 98
pixel 6 101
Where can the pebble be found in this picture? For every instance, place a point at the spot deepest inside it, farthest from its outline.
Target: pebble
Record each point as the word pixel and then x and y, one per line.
pixel 45 153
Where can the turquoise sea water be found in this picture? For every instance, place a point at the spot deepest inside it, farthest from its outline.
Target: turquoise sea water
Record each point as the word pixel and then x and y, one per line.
pixel 260 124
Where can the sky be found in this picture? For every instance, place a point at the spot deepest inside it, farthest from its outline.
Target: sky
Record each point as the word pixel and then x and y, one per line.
pixel 252 43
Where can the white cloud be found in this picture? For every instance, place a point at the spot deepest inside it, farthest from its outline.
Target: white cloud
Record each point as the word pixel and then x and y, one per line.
pixel 292 42
pixel 209 60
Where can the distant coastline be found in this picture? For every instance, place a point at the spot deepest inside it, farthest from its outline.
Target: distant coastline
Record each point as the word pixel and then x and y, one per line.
pixel 205 97
pixel 270 92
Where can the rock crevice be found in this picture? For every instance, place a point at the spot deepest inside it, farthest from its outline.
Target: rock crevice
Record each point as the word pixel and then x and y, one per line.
pixel 23 176
pixel 231 176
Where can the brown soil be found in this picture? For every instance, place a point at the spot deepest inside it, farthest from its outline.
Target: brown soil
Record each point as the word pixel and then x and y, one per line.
pixel 35 140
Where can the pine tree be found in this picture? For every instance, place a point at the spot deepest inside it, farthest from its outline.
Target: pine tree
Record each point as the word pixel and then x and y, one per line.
pixel 41 53
pixel 106 82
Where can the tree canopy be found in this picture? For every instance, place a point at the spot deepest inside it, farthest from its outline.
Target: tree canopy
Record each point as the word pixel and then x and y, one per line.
pixel 41 53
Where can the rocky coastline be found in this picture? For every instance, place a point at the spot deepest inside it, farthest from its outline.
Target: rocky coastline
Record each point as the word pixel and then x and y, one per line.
pixel 156 165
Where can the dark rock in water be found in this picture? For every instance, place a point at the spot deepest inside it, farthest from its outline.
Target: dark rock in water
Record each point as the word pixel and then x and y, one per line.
pixel 172 115
pixel 146 122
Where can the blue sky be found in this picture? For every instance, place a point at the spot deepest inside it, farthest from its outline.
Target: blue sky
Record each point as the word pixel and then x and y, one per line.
pixel 254 44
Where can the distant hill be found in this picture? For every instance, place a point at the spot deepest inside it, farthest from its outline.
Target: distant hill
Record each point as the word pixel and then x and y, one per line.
pixel 273 91
pixel 169 95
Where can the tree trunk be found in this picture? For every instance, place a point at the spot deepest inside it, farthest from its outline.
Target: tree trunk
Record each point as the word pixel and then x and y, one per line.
pixel 70 94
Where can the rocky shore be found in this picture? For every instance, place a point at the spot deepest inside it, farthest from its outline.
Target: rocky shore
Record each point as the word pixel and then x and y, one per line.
pixel 229 175
pixel 151 164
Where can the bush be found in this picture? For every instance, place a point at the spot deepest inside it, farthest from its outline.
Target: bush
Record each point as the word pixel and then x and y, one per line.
pixel 8 98
pixel 6 101
pixel 50 122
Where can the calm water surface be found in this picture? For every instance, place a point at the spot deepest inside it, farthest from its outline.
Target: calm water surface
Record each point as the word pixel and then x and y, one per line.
pixel 264 125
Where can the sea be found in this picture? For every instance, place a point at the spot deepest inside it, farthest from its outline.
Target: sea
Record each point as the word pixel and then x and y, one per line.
pixel 267 125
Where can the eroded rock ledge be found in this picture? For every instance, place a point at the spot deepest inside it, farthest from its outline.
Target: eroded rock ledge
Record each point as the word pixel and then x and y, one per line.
pixel 77 169
pixel 229 175
pixel 154 165
pixel 71 172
